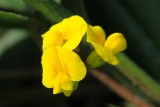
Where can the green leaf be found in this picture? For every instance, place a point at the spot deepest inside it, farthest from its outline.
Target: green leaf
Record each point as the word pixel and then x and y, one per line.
pixel 139 77
pixel 125 81
pixel 12 17
pixel 14 5
pixel 51 10
pixel 11 37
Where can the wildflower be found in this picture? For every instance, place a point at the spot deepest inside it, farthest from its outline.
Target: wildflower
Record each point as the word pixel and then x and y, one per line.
pixel 63 68
pixel 105 48
pixel 67 33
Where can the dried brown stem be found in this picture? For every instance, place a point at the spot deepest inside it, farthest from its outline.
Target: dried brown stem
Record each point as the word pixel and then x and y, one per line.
pixel 119 89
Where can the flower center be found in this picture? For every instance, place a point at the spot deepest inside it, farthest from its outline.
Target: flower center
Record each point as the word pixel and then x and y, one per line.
pixel 64 41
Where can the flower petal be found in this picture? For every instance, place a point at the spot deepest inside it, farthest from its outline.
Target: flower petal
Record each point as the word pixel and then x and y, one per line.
pixel 50 67
pixel 57 86
pixel 71 64
pixel 69 92
pixel 105 54
pixel 96 34
pixel 116 43
pixel 66 82
pixel 61 83
pixel 72 30
pixel 52 38
pixel 58 59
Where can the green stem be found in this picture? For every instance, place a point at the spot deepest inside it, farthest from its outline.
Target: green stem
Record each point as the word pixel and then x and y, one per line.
pixel 51 10
pixel 139 77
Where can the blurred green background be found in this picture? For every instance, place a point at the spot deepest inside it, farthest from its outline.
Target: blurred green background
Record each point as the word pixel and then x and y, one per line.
pixel 23 21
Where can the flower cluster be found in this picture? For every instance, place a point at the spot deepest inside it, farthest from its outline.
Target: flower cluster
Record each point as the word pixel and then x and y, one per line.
pixel 105 48
pixel 62 67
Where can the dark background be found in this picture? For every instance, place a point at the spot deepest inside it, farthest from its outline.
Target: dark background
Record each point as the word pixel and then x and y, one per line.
pixel 20 64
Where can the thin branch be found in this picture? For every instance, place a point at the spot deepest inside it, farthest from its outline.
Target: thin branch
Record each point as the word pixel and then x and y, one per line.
pixel 119 89
pixel 139 77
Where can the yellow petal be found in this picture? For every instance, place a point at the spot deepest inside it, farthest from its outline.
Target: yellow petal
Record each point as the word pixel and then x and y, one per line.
pixel 71 64
pixel 52 38
pixel 61 83
pixel 56 85
pixel 105 54
pixel 58 59
pixel 116 43
pixel 50 67
pixel 72 30
pixel 69 92
pixel 95 34
pixel 48 78
pixel 66 82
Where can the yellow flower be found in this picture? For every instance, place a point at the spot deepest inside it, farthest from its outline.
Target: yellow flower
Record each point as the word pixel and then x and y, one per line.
pixel 67 33
pixel 106 48
pixel 63 68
